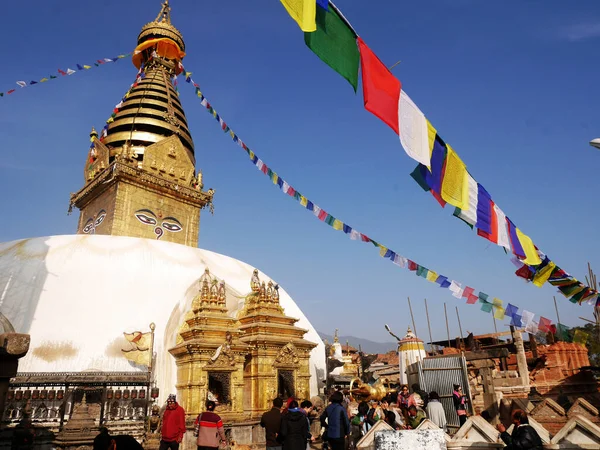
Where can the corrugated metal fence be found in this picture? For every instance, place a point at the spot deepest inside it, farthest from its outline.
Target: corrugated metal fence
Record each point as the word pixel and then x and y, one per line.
pixel 439 374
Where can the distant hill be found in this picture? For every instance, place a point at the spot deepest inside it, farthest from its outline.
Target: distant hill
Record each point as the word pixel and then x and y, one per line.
pixel 366 345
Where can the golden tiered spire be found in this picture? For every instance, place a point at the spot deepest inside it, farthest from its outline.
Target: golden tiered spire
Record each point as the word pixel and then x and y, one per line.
pixel 152 111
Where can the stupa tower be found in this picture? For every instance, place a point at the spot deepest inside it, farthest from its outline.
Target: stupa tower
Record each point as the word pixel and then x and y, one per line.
pixel 140 175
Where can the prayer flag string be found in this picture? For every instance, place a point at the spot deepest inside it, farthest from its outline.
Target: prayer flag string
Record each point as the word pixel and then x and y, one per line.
pixel 518 317
pixel 440 171
pixel 63 73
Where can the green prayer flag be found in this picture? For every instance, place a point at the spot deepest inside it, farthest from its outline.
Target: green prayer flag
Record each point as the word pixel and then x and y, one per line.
pixel 562 332
pixel 335 43
pixel 486 307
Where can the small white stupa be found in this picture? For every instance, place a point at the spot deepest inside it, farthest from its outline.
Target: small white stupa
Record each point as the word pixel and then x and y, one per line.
pixel 410 350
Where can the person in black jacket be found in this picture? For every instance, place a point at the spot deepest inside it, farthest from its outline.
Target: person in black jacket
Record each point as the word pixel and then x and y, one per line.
pixel 271 422
pixel 335 420
pixel 523 437
pixel 294 428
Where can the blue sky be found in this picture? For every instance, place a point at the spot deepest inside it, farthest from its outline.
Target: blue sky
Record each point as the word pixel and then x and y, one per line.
pixel 510 85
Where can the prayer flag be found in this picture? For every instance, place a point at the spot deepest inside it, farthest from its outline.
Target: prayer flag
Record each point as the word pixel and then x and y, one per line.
pixel 86 67
pixel 43 80
pixel 471 298
pixel 492 236
pixel 527 317
pixel 382 251
pixel 483 296
pixel 334 42
pixel 470 215
pixel 542 275
pixel 516 321
pixel 544 324
pixel 484 210
pixel 354 235
pixel 486 307
pixel 517 249
pixel 499 312
pixel 455 187
pixel 580 337
pixel 32 82
pixel 435 175
pixel 70 71
pixel 79 67
pixel 531 255
pixel 22 83
pixel 454 286
pixel 381 89
pixel 400 260
pixel 303 12
pixel 323 4
pixel 531 327
pixel 502 228
pixel 337 224
pixel 562 332
pixel 414 133
pixel 432 276
pixel 468 291
pixel 511 310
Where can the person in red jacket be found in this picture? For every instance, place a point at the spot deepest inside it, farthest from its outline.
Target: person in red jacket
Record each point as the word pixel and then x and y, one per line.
pixel 173 425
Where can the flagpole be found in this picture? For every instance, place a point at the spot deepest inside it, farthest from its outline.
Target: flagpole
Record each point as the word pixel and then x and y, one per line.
pixel 150 368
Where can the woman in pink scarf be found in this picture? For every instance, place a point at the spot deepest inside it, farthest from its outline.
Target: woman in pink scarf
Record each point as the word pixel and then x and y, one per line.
pixel 460 404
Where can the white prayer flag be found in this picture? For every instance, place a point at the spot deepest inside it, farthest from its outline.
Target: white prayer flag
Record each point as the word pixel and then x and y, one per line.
pixel 285 187
pixel 527 317
pixel 413 130
pixel 503 237
pixel 70 71
pixel 354 235
pixel 22 84
pixel 454 286
pixel 458 294
pixel 399 260
pixel 531 327
pixel 470 215
pixel 316 209
pixel 259 164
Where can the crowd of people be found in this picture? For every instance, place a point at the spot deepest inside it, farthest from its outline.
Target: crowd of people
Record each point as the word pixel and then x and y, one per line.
pixel 344 421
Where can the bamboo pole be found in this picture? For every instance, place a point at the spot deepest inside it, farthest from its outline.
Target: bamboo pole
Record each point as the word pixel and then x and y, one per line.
pixel 412 317
pixel 447 327
pixel 460 328
pixel 429 326
pixel 556 308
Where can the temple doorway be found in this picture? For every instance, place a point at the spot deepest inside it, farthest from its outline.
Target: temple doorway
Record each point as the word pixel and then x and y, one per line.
pixel 285 384
pixel 219 387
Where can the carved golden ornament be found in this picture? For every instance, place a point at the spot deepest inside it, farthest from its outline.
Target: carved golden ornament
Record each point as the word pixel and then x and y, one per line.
pixel 263 291
pixel 255 281
pixel 221 297
pixel 287 355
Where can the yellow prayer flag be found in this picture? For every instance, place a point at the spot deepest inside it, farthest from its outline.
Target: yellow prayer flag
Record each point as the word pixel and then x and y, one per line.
pixel 531 255
pixel 43 80
pixel 432 276
pixel 304 12
pixel 303 200
pixel 337 224
pixel 231 133
pixel 251 154
pixel 431 132
pixel 382 251
pixel 541 276
pixel 87 67
pixel 455 186
pixel 499 312
pixel 580 337
pixel 274 178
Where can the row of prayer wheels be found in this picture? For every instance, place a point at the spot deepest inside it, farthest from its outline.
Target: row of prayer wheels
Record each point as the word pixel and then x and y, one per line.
pixel 52 394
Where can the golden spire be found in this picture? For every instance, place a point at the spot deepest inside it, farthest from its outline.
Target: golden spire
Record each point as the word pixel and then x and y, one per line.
pixel 152 111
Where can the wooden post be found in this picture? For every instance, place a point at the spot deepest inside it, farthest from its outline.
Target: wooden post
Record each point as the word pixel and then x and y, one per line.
pixel 494 317
pixel 412 317
pixel 533 345
pixel 447 327
pixel 460 328
pixel 429 326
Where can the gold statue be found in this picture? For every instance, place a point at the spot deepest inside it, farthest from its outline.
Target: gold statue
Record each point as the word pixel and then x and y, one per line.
pixel 366 392
pixel 255 281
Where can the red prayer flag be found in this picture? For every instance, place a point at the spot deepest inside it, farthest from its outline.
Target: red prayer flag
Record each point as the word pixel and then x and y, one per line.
pixel 468 291
pixel 381 89
pixel 472 299
pixel 322 215
pixel 62 72
pixel 412 265
pixel 544 324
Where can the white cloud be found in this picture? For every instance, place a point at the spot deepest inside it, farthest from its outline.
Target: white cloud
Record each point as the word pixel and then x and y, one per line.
pixel 581 32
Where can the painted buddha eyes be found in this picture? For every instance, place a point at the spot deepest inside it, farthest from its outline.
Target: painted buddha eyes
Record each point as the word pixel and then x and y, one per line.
pixel 92 223
pixel 145 218
pixel 170 224
pixel 173 227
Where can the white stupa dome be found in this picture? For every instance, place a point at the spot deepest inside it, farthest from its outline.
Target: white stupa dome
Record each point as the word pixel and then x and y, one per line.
pixel 76 295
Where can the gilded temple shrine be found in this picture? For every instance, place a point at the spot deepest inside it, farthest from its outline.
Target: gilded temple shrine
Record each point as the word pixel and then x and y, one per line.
pixel 242 363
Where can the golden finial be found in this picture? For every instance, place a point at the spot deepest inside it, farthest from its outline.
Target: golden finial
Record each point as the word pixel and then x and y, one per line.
pixel 93 133
pixel 255 281
pixel 165 13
